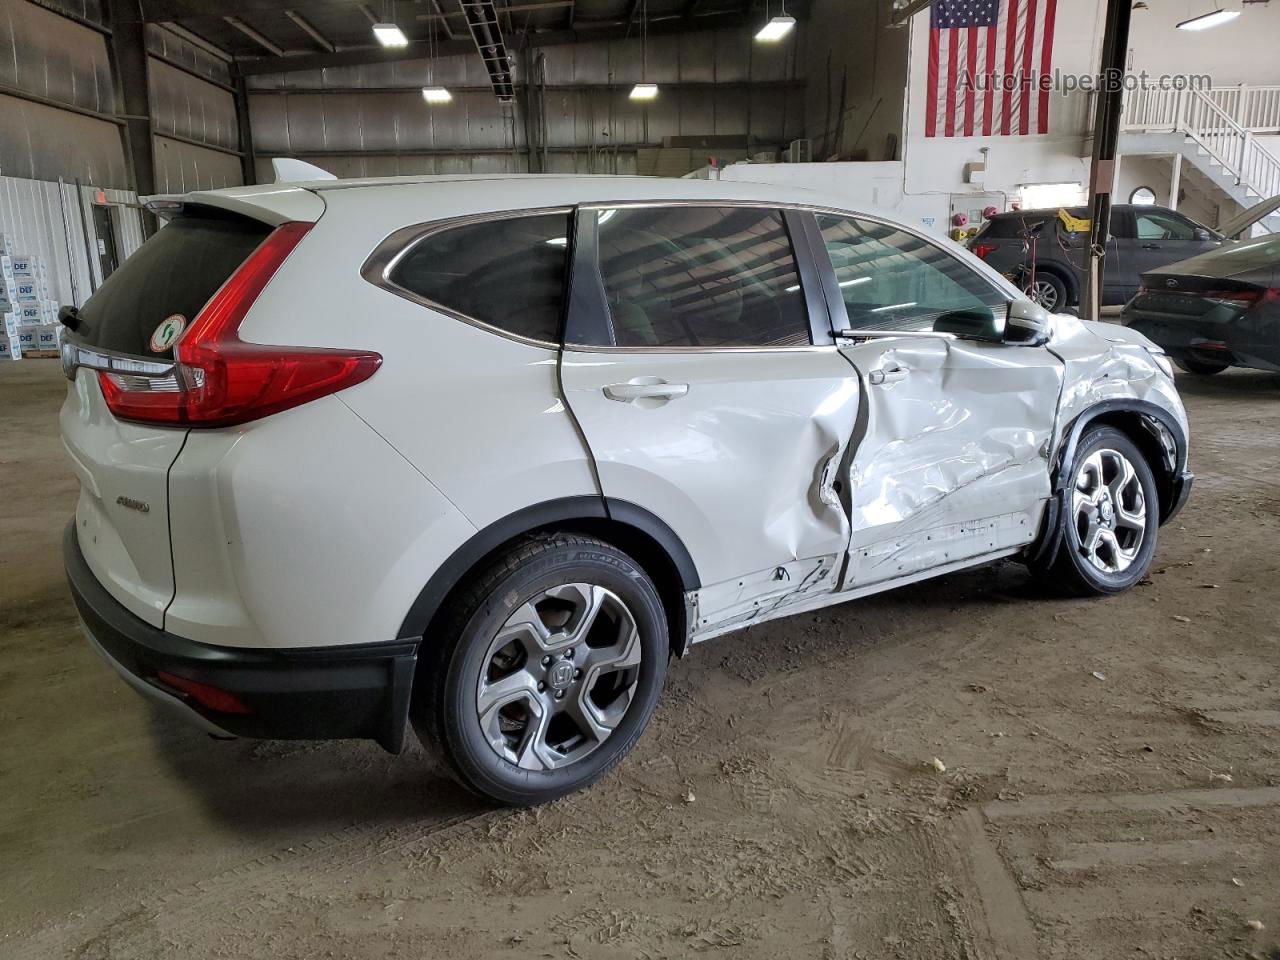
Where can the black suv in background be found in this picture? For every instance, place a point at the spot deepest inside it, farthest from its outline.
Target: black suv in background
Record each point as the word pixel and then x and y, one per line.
pixel 1142 239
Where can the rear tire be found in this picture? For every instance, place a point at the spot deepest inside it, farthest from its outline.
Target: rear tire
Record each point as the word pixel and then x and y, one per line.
pixel 1201 368
pixel 1110 519
pixel 546 670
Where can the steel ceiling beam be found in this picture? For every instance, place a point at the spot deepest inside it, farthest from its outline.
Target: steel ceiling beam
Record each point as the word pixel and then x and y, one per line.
pixel 196 40
pixel 421 50
pixel 321 40
pixel 904 10
pixel 486 31
pixel 254 35
pixel 444 21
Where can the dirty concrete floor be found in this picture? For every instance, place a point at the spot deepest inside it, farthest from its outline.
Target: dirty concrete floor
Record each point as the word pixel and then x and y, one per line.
pixel 781 804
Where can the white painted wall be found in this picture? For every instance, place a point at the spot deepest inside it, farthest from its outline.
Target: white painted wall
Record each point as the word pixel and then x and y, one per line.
pixel 1155 172
pixel 43 220
pixel 936 165
pixel 869 187
pixel 1242 51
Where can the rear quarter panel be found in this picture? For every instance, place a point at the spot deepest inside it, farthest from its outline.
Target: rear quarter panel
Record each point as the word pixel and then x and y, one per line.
pixel 478 414
pixel 302 529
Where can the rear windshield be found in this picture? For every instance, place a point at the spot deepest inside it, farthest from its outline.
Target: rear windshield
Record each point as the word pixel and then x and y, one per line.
pixel 171 275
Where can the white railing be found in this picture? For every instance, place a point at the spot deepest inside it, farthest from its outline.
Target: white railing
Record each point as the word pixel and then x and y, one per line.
pixel 1203 116
pixel 1256 109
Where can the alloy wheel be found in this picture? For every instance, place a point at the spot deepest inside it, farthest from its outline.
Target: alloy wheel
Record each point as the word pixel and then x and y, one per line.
pixel 1044 293
pixel 559 676
pixel 1109 510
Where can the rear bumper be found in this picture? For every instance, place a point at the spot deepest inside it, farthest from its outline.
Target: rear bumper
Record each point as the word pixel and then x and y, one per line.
pixel 314 693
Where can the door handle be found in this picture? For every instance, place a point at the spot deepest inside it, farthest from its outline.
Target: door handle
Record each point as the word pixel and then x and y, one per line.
pixel 1151 246
pixel 660 390
pixel 892 375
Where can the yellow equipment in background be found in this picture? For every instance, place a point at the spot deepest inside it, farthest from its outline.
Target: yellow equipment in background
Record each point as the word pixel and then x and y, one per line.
pixel 1074 224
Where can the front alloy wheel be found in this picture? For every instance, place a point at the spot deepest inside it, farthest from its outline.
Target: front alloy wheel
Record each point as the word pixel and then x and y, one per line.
pixel 559 676
pixel 1110 511
pixel 1109 518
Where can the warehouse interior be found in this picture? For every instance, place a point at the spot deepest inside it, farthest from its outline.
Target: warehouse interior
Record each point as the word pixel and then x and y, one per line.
pixel 971 767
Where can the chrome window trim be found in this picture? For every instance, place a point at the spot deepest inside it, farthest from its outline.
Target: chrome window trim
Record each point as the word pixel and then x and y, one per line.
pixel 396 245
pixel 379 265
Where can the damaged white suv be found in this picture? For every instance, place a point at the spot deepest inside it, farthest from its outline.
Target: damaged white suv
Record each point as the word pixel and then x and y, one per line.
pixel 483 453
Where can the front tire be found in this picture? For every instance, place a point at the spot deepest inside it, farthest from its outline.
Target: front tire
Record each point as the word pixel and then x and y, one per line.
pixel 546 672
pixel 1110 518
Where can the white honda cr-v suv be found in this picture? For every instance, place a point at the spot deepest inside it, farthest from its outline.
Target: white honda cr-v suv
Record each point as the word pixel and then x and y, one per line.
pixel 484 453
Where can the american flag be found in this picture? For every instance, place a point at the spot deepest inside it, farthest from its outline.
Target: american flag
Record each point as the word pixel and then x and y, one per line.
pixel 986 58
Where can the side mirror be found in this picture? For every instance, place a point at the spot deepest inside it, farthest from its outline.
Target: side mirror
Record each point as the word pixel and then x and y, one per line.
pixel 1200 233
pixel 1027 324
pixel 971 325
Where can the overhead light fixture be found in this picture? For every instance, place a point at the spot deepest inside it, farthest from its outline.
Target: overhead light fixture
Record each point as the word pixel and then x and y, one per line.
pixel 776 29
pixel 437 95
pixel 644 91
pixel 1214 18
pixel 389 35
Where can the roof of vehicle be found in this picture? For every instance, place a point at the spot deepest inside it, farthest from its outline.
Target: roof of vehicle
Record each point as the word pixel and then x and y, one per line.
pixel 531 186
pixel 279 202
pixel 1075 211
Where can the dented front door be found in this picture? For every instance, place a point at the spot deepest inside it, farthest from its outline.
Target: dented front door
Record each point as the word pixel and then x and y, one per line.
pixel 949 458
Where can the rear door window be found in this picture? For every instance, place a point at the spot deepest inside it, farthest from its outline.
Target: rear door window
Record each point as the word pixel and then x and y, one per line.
pixel 507 273
pixel 174 273
pixel 695 276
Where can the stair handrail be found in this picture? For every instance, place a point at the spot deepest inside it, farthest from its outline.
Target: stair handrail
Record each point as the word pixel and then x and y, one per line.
pixel 1233 146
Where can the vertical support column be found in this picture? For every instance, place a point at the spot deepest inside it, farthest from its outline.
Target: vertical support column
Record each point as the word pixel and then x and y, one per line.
pixel 1106 142
pixel 1175 181
pixel 128 47
pixel 248 156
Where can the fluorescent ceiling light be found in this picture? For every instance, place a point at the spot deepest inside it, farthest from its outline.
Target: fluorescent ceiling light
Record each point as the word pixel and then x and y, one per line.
pixel 776 29
pixel 894 306
pixel 1207 20
pixel 559 241
pixel 854 282
pixel 436 95
pixel 644 91
pixel 389 35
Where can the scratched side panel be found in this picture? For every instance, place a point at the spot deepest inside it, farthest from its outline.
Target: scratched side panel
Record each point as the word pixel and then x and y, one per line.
pixel 953 460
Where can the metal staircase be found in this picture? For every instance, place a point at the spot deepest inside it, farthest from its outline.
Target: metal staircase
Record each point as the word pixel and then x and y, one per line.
pixel 1215 132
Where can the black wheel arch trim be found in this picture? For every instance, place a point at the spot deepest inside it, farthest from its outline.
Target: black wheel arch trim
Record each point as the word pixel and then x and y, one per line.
pixel 535 517
pixel 1179 479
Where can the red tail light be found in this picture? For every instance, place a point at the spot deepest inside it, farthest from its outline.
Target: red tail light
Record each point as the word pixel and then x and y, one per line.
pixel 214 698
pixel 220 380
pixel 1242 297
pixel 983 250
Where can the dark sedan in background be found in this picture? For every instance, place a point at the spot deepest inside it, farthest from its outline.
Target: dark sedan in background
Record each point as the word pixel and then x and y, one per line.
pixel 1143 237
pixel 1217 310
